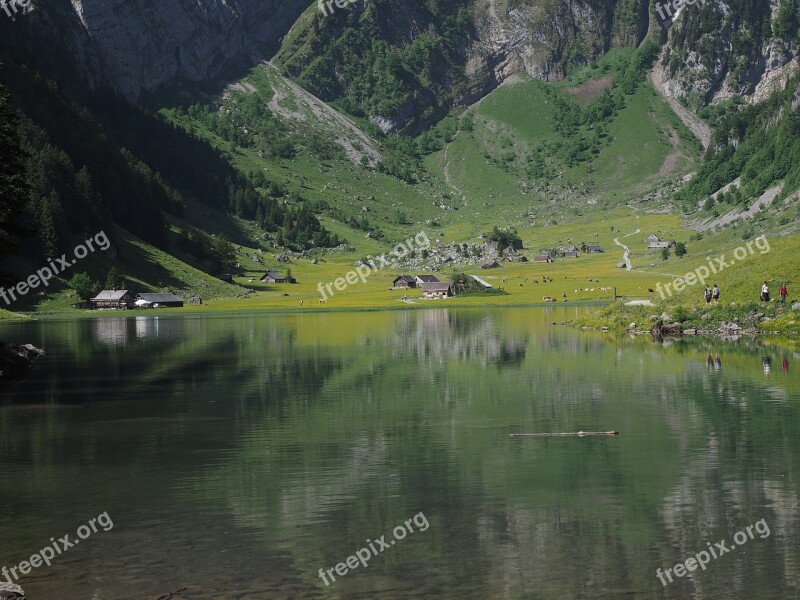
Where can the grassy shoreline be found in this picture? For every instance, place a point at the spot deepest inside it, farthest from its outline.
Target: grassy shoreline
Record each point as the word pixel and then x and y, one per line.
pixel 221 308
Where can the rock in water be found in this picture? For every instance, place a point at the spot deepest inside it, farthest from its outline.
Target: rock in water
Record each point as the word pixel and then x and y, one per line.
pixel 15 359
pixel 11 591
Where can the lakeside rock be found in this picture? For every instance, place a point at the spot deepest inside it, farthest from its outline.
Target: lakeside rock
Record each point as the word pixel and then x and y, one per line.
pixel 660 329
pixel 11 591
pixel 15 359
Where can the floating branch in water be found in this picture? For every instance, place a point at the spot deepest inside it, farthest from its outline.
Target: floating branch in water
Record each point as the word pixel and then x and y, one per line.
pixel 576 434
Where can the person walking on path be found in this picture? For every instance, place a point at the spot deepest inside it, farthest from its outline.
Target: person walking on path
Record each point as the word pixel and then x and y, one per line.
pixel 765 292
pixel 715 294
pixel 708 295
pixel 782 292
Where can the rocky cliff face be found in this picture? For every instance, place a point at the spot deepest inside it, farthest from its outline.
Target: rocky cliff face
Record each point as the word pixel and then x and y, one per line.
pixel 136 46
pixel 716 51
pixel 544 40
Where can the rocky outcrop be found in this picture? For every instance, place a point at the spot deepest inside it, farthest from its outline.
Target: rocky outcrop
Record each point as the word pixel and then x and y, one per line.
pixel 138 46
pixel 707 71
pixel 661 329
pixel 11 591
pixel 543 41
pixel 15 359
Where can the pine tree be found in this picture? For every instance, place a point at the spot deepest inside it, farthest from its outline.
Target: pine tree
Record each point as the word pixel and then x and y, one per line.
pixel 13 187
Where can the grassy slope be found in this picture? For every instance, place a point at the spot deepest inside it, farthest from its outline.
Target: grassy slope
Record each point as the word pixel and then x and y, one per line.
pixel 330 178
pixel 740 284
pixel 146 268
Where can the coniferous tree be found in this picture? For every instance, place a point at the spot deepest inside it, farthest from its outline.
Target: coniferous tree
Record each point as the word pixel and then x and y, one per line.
pixel 13 188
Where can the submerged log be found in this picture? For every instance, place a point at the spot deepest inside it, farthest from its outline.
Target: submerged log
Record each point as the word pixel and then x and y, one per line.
pixel 576 434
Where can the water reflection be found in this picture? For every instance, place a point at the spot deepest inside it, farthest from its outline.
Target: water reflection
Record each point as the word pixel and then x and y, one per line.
pixel 464 336
pixel 119 331
pixel 241 454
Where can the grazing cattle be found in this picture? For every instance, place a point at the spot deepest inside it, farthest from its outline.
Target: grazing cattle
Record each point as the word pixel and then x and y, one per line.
pixel 323 301
pixel 651 290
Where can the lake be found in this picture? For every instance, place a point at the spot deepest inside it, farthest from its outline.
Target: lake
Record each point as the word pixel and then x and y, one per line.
pixel 240 456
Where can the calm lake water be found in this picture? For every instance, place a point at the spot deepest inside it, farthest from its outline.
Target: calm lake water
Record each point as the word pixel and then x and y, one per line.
pixel 238 455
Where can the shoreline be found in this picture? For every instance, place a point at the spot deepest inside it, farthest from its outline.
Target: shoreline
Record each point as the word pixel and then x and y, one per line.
pixel 210 309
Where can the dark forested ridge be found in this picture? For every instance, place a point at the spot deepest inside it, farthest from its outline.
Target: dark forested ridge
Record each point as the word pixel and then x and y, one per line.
pixel 84 167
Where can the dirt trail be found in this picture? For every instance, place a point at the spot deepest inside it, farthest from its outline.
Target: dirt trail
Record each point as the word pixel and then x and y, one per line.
pixel 692 121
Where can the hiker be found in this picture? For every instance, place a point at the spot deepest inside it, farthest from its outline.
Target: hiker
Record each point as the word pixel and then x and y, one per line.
pixel 708 296
pixel 782 292
pixel 765 292
pixel 715 294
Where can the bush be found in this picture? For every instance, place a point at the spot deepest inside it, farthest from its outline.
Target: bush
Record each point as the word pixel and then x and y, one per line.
pixel 83 284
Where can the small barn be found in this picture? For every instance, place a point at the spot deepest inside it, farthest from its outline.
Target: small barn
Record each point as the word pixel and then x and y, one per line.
pixel 660 245
pixel 161 300
pixel 485 284
pixel 594 249
pixel 113 299
pixel 422 279
pixel 275 277
pixel 653 238
pixel 404 282
pixel 437 289
pixel 570 254
pixel 544 257
pixel 493 264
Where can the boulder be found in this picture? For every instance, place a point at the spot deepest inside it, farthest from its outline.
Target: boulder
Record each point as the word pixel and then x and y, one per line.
pixel 661 329
pixel 621 265
pixel 796 306
pixel 15 359
pixel 11 591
